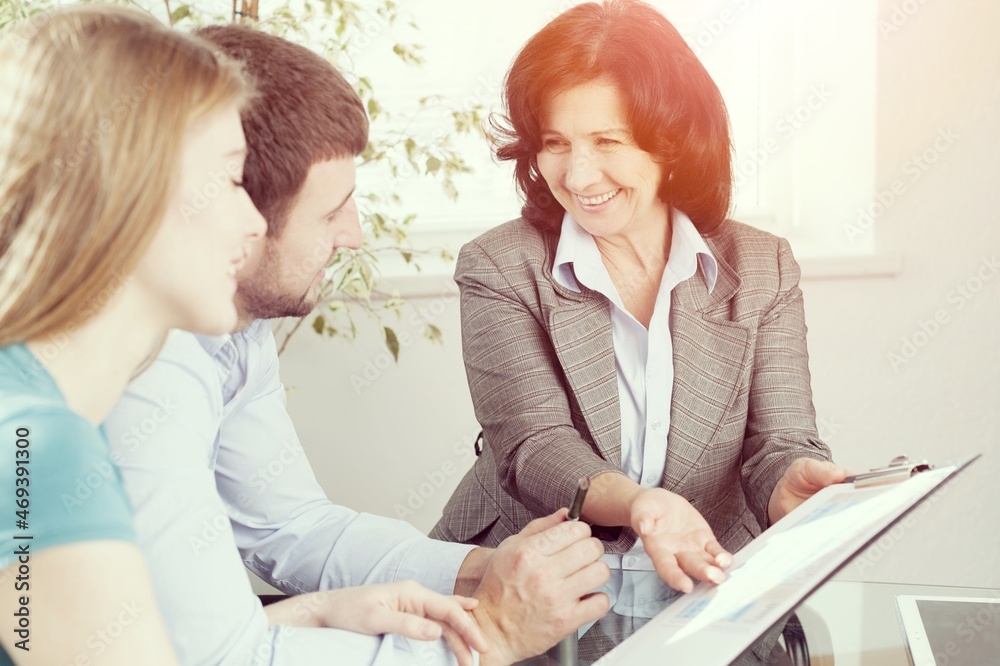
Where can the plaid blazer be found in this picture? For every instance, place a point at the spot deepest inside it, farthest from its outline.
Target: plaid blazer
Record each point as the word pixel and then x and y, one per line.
pixel 541 368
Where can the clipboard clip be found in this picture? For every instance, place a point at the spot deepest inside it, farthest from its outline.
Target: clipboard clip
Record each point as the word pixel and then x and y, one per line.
pixel 899 468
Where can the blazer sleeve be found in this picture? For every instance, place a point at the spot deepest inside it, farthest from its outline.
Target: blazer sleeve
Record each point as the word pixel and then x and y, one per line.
pixel 781 421
pixel 518 387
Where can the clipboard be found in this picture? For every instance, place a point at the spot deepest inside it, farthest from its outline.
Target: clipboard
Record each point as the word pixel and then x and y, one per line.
pixel 899 468
pixel 774 573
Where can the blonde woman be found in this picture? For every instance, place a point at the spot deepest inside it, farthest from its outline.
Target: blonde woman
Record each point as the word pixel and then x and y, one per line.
pixel 121 216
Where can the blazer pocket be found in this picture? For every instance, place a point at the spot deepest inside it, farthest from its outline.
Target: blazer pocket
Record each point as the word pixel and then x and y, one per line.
pixel 740 533
pixel 485 536
pixel 471 514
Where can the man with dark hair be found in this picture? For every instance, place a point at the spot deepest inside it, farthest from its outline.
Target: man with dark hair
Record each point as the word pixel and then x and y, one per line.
pixel 304 132
pixel 193 432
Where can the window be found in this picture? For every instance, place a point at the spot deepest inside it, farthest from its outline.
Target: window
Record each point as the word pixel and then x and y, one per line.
pixel 798 79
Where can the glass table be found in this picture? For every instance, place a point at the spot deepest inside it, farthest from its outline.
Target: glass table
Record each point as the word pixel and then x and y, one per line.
pixel 844 623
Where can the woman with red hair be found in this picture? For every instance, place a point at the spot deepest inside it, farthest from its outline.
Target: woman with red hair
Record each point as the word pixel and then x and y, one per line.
pixel 623 328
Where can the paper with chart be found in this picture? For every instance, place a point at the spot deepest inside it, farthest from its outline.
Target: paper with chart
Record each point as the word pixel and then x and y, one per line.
pixel 779 568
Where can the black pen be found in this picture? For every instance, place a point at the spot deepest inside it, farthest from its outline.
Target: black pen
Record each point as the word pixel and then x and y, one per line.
pixel 581 494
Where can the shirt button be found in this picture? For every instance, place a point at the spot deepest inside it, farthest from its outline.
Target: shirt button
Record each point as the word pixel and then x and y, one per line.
pixel 650 480
pixel 630 561
pixel 657 424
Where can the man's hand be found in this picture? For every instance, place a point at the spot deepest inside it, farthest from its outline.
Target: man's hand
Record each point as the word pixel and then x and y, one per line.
pixel 677 538
pixel 801 480
pixel 405 608
pixel 470 574
pixel 537 588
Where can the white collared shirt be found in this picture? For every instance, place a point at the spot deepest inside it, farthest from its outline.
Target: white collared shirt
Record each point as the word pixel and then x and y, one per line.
pixel 217 480
pixel 644 362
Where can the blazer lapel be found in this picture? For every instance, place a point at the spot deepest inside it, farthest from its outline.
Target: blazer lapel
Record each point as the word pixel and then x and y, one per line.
pixel 580 329
pixel 710 355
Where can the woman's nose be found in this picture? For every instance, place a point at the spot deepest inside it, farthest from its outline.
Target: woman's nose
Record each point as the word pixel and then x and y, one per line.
pixel 582 171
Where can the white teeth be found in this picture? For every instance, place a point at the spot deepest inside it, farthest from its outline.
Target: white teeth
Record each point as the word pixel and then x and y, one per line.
pixel 594 201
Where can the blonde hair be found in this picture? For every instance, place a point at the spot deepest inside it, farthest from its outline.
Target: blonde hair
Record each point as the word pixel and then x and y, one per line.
pixel 96 103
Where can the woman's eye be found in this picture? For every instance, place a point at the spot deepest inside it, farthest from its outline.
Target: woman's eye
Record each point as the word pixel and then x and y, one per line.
pixel 554 145
pixel 607 143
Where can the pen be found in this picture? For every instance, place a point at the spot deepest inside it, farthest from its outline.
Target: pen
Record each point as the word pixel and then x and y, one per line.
pixel 566 650
pixel 581 494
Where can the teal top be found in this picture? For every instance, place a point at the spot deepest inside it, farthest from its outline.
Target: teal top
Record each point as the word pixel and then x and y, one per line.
pixel 58 483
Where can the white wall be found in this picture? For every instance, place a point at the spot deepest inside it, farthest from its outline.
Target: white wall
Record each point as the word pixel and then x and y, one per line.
pixel 941 69
pixel 381 447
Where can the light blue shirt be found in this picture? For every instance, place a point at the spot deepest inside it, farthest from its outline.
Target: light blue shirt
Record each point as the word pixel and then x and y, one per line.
pixel 218 479
pixel 644 358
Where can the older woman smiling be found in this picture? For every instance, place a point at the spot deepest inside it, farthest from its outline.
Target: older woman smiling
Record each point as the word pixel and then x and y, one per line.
pixel 623 328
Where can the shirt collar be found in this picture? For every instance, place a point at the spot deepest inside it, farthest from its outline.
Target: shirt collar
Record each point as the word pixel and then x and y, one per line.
pixel 686 245
pixel 577 256
pixel 214 344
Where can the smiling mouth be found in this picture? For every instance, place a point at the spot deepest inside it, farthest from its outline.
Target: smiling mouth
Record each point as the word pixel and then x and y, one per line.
pixel 599 199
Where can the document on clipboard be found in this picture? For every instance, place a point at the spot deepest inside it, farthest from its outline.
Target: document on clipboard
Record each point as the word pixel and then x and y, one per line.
pixel 770 576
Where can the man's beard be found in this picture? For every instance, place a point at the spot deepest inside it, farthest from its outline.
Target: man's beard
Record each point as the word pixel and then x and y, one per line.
pixel 261 294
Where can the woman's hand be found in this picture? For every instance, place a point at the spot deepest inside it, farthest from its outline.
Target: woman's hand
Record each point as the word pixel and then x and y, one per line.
pixel 677 538
pixel 405 608
pixel 802 479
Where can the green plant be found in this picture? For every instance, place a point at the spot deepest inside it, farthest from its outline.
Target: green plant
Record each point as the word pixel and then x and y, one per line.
pixel 333 28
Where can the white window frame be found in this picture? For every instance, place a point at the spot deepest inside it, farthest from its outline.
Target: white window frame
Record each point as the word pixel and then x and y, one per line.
pixel 812 161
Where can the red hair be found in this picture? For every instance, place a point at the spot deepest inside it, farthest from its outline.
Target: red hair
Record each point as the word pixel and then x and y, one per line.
pixel 674 109
pixel 304 112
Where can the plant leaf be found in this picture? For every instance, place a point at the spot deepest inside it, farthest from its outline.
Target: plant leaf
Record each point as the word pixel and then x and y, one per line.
pixel 392 342
pixel 179 14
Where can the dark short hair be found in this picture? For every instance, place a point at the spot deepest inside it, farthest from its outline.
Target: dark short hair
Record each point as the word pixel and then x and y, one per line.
pixel 304 112
pixel 674 109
